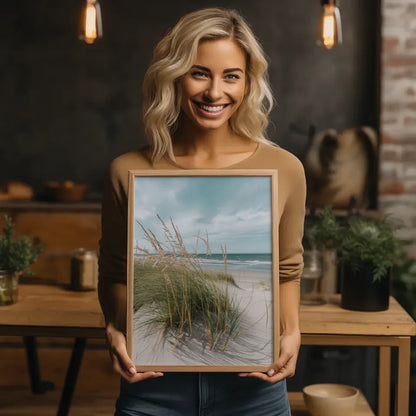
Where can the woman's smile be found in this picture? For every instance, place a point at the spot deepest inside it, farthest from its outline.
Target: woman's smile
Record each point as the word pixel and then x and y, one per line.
pixel 210 110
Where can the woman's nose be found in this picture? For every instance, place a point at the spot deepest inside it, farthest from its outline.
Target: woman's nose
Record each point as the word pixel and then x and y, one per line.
pixel 213 92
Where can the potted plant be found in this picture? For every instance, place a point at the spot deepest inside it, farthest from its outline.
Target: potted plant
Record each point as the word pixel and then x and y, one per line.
pixel 367 249
pixel 16 256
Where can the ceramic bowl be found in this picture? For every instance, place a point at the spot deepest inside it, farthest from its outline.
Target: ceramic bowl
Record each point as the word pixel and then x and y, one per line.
pixel 330 399
pixel 67 191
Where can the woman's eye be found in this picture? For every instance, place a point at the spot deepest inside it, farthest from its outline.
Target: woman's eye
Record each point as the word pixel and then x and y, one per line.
pixel 199 74
pixel 232 76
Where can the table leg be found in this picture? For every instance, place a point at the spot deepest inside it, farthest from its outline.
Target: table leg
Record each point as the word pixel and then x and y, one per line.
pixel 71 376
pixel 384 376
pixel 403 377
pixel 36 384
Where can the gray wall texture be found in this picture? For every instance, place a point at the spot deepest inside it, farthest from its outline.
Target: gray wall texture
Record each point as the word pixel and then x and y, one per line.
pixel 68 108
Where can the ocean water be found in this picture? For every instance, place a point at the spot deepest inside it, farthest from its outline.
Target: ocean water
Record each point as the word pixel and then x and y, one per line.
pixel 256 262
pixel 250 262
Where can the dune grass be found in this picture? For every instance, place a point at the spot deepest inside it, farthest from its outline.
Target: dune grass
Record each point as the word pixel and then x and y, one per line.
pixel 180 294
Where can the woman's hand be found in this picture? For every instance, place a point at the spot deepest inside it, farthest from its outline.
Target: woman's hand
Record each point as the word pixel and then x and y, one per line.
pixel 122 363
pixel 286 364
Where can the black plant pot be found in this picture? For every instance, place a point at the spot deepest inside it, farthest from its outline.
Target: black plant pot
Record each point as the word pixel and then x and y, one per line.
pixel 360 293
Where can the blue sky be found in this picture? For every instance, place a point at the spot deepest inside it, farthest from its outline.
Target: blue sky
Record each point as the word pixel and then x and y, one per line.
pixel 235 211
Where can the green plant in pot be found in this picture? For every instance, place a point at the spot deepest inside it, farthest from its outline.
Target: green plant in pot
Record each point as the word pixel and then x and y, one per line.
pixel 367 249
pixel 16 257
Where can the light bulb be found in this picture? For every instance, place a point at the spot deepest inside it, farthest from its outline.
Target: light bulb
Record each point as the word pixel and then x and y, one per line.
pixel 91 24
pixel 330 33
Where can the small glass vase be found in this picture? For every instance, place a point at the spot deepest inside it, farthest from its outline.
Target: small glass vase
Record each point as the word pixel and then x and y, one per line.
pixel 9 282
pixel 311 280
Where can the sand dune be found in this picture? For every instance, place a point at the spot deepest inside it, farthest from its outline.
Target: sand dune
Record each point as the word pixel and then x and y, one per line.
pixel 252 346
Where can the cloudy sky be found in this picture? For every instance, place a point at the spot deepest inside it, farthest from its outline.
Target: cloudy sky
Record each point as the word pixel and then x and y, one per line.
pixel 235 211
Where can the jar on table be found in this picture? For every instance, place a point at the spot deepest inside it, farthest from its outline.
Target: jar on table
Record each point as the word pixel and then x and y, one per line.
pixel 84 270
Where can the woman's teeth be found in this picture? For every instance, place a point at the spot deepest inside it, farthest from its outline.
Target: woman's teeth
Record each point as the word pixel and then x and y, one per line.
pixel 211 108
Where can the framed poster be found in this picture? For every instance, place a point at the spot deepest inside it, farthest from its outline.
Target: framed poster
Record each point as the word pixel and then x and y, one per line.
pixel 203 284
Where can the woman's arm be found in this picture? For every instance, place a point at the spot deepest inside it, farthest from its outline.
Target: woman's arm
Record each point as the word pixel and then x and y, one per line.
pixel 290 332
pixel 290 269
pixel 113 298
pixel 112 289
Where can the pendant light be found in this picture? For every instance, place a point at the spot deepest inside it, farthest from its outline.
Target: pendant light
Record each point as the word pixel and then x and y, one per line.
pixel 91 27
pixel 330 32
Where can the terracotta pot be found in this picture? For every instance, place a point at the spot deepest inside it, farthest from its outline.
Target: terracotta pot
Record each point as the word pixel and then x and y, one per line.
pixel 360 292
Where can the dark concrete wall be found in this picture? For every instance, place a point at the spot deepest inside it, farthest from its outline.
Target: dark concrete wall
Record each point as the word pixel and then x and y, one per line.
pixel 68 108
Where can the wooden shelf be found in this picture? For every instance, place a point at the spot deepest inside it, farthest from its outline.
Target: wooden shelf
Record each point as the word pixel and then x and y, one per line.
pixel 298 408
pixel 46 206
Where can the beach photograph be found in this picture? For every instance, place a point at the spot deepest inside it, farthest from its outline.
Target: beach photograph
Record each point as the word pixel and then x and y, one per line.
pixel 202 272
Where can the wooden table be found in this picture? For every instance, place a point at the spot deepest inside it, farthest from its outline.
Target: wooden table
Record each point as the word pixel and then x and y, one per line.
pixel 55 311
pixel 329 324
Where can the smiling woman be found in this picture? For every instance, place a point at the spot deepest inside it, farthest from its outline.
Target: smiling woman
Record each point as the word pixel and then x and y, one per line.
pixel 206 105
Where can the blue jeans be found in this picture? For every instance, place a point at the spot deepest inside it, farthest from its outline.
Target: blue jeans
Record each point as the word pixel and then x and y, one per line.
pixel 202 394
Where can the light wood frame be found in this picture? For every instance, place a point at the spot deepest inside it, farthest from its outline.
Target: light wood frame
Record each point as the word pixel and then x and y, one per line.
pixel 274 289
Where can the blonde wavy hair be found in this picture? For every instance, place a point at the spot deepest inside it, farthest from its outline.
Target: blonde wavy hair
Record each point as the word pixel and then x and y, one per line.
pixel 174 56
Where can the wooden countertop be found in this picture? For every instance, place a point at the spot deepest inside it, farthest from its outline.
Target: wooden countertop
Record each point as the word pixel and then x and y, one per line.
pixel 53 310
pixel 332 319
pixel 55 307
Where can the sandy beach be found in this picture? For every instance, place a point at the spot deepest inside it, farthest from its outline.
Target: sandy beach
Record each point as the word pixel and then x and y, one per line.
pixel 251 346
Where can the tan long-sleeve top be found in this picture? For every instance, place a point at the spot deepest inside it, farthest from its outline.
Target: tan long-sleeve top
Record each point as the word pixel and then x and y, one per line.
pixel 290 215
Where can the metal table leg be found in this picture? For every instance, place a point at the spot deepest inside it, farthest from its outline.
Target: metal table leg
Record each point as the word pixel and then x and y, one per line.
pixel 71 376
pixel 36 384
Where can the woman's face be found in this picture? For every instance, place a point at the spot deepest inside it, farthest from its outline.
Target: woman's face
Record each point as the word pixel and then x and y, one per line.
pixel 215 86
